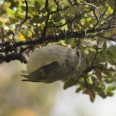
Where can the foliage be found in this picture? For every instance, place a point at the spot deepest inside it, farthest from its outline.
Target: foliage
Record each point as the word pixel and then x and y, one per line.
pixel 88 24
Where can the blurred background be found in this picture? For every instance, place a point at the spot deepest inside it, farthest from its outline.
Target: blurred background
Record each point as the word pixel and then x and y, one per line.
pixel 18 98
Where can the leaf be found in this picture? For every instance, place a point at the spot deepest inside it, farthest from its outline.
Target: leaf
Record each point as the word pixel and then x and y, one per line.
pixel 109 93
pixel 57 17
pixel 91 95
pixel 81 80
pixel 108 73
pixel 22 38
pixel 104 45
pixel 98 74
pixel 43 10
pixel 109 80
pixel 13 20
pixel 102 86
pixel 69 84
pixel 10 12
pixel 94 79
pixel 102 94
pixel 73 10
pixel 35 19
pixel 41 19
pixel 89 80
pixel 111 88
pixel 37 5
pixel 110 57
pixel 78 90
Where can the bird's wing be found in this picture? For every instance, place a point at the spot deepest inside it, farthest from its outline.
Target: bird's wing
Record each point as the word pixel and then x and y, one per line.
pixel 48 73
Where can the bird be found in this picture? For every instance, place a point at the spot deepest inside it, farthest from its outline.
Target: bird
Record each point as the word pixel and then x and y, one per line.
pixel 55 62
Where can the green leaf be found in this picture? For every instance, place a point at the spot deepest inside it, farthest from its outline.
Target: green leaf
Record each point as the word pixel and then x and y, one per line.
pixel 94 79
pixel 35 19
pixel 78 90
pixel 81 80
pixel 41 19
pixel 110 57
pixel 102 94
pixel 57 17
pixel 89 80
pixel 109 93
pixel 111 88
pixel 108 80
pixel 37 5
pixel 69 84
pixel 10 12
pixel 72 10
pixel 102 86
pixel 107 73
pixel 43 10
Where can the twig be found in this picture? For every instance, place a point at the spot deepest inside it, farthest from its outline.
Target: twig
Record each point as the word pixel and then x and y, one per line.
pixel 95 17
pixel 46 22
pixel 90 68
pixel 96 52
pixel 108 38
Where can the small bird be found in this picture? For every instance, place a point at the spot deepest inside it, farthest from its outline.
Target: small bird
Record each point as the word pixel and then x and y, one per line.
pixel 55 62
